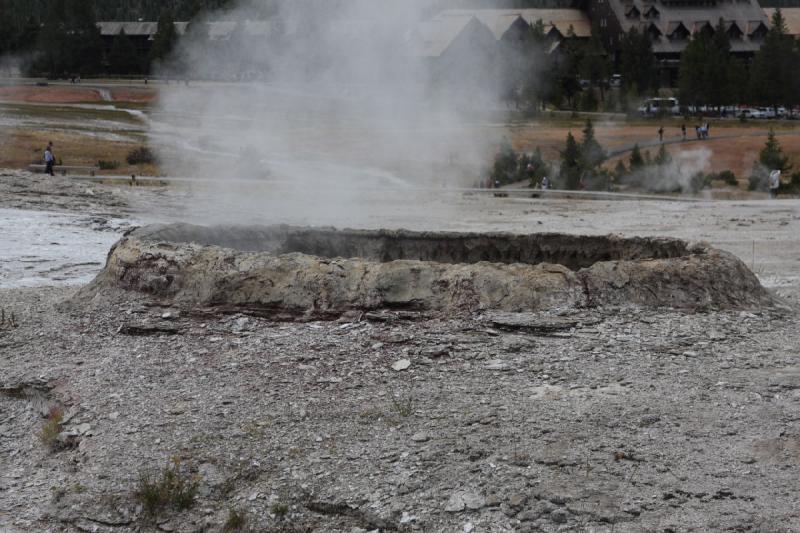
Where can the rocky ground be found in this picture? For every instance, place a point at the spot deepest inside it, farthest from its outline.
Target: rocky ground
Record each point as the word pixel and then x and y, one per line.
pixel 24 190
pixel 603 419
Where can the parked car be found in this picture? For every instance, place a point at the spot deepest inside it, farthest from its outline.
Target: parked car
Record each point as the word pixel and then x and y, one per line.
pixel 769 112
pixel 615 80
pixel 660 106
pixel 752 113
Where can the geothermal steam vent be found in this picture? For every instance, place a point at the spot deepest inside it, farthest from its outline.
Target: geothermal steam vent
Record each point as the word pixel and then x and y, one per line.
pixel 324 271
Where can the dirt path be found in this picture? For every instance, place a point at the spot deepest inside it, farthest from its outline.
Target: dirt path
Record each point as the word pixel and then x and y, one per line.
pixel 75 93
pixel 618 151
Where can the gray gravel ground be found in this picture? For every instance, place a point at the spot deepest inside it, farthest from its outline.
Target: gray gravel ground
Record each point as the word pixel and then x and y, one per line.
pixel 575 420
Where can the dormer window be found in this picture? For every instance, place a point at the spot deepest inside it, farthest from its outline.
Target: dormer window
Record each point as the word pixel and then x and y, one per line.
pixel 703 27
pixel 676 31
pixel 651 13
pixel 733 30
pixel 632 12
pixel 653 32
pixel 756 29
pixel 554 34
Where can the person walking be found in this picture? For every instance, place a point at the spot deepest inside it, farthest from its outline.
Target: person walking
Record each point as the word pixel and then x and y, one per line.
pixel 661 134
pixel 774 183
pixel 683 131
pixel 49 159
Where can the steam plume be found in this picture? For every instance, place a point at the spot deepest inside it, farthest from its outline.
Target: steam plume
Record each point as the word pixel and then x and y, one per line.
pixel 332 97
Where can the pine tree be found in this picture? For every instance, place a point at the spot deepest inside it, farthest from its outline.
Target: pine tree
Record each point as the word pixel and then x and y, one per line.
pixel 738 76
pixel 771 156
pixel 84 46
pixel 52 45
pixel 663 158
pixel 6 28
pixel 123 58
pixel 637 63
pixel 165 38
pixel 569 68
pixel 538 89
pixel 620 170
pixel 570 172
pixel 774 77
pixel 595 65
pixel 693 80
pixel 28 36
pixel 505 164
pixel 718 68
pixel 636 161
pixel 592 154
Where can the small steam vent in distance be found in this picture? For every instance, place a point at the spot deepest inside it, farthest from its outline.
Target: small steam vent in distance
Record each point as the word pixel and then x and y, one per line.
pixel 296 272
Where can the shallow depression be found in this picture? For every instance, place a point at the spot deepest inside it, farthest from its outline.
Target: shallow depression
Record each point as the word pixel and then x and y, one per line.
pixel 572 251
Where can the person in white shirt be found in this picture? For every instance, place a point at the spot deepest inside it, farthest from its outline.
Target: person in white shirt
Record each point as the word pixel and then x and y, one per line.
pixel 774 183
pixel 49 159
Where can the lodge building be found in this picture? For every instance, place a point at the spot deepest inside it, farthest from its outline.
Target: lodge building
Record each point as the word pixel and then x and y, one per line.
pixel 449 36
pixel 670 24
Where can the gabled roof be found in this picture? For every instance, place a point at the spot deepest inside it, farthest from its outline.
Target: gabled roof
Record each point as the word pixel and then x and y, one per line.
pixel 683 17
pixel 552 33
pixel 653 29
pixel 755 27
pixel 632 11
pixel 135 29
pixel 732 28
pixel 139 29
pixel 561 19
pixel 652 12
pixel 499 21
pixel 433 37
pixel 224 29
pixel 701 26
pixel 677 26
pixel 790 14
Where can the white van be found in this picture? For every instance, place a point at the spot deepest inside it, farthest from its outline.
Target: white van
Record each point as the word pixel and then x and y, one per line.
pixel 660 106
pixel 752 113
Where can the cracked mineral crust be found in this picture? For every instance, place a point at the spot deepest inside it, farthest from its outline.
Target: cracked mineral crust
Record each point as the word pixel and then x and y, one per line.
pixel 326 272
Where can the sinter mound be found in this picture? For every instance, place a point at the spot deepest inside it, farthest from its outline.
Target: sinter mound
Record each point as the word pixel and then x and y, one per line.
pixel 323 272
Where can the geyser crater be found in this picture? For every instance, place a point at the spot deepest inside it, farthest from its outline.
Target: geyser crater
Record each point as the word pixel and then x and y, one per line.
pixel 323 272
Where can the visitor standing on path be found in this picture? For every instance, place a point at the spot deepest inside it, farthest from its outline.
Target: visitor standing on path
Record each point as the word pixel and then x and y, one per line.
pixel 774 183
pixel 661 134
pixel 683 131
pixel 49 159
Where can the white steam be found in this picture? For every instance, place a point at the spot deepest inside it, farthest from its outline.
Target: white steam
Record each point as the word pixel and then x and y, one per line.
pixel 675 175
pixel 11 65
pixel 321 102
